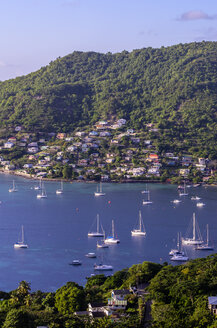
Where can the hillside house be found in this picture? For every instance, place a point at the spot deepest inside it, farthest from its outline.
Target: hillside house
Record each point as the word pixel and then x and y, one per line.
pixel 212 304
pixel 8 145
pixel 61 136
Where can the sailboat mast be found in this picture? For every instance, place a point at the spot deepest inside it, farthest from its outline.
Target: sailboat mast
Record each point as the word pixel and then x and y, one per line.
pixel 22 235
pixel 194 227
pixel 113 229
pixel 207 234
pixel 97 222
pixel 140 221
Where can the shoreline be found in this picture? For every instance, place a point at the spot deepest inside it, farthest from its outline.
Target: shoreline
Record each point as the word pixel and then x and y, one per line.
pixel 28 176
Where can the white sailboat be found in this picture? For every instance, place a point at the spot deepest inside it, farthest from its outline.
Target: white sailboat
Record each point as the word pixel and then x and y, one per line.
pixel 111 239
pixel 43 193
pixel 147 201
pixel 60 190
pixel 194 240
pixel 99 191
pixel 146 190
pixel 96 233
pixel 205 247
pixel 21 243
pixel 141 229
pixel 178 256
pixel 38 187
pixel 13 188
pixel 183 193
pixel 177 250
pixel 102 244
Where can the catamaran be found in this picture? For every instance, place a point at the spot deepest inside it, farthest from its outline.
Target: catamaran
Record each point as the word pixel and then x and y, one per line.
pixel 111 239
pixel 141 229
pixel 177 250
pixel 147 201
pixel 96 233
pixel 178 255
pixel 195 240
pixel 205 247
pixel 60 191
pixel 13 188
pixel 43 193
pixel 102 244
pixel 98 191
pixel 21 243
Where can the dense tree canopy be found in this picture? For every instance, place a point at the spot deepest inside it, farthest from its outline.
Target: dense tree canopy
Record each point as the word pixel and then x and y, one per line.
pixel 174 88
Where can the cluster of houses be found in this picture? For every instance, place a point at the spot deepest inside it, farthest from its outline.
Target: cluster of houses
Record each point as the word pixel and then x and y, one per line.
pixel 114 307
pixel 111 151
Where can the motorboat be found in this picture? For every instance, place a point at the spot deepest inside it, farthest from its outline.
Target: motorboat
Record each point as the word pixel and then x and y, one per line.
pixel 103 267
pixel 91 255
pixel 75 262
pixel 200 204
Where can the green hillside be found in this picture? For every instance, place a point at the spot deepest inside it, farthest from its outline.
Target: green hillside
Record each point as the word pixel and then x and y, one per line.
pixel 175 88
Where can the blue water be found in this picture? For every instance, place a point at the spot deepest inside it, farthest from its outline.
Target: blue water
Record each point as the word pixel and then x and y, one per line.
pixel 56 228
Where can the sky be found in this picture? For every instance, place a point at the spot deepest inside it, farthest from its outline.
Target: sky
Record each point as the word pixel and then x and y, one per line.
pixel 35 32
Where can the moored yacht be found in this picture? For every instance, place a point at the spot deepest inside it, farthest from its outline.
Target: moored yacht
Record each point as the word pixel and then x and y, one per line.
pixel 96 233
pixel 195 240
pixel 111 239
pixel 140 231
pixel 21 243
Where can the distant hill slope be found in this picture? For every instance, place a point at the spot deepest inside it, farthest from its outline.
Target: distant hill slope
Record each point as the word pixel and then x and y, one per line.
pixel 174 87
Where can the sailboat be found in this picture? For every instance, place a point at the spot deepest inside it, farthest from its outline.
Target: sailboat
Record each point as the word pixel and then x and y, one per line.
pixel 146 190
pixel 176 251
pixel 39 186
pixel 205 247
pixel 111 239
pixel 183 193
pixel 193 240
pixel 147 201
pixel 98 191
pixel 60 191
pixel 179 256
pixel 43 193
pixel 13 188
pixel 21 243
pixel 102 244
pixel 141 229
pixel 96 233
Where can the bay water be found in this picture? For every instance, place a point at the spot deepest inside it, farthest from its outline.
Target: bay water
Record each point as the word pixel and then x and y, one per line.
pixel 56 228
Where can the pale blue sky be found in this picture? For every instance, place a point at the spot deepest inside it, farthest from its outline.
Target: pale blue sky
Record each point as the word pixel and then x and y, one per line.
pixel 34 32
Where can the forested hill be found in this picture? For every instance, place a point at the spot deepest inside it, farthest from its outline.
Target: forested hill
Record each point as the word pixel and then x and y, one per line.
pixel 173 87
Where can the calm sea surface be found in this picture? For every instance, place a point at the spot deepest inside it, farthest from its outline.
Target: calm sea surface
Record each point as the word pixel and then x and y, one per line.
pixel 56 228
